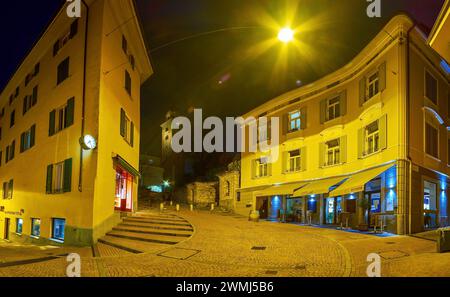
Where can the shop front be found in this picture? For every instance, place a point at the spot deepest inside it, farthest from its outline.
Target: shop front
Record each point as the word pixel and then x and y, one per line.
pixel 125 180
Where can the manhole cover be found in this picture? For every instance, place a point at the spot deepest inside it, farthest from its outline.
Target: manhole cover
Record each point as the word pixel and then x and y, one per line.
pixel 271 272
pixel 258 248
pixel 177 253
pixel 389 255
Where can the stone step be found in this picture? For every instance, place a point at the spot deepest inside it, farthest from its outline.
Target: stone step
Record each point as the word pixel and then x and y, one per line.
pixel 133 219
pixel 174 219
pixel 132 246
pixel 141 230
pixel 106 250
pixel 157 227
pixel 162 239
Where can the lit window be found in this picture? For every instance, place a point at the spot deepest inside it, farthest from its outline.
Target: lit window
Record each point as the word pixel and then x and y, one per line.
pixel 36 227
pixel 333 152
pixel 19 226
pixel 58 229
pixel 333 108
pixel 294 121
pixel 372 138
pixel 373 85
pixel 294 162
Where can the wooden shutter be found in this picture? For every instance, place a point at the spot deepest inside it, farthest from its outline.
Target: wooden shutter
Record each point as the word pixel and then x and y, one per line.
pixel 22 142
pixel 33 135
pixel 321 154
pixel 343 103
pixel 343 149
pixel 303 156
pixel 24 105
pixel 67 175
pixel 284 160
pixel 48 185
pixel 253 168
pixel 7 154
pixel 285 124
pixel 323 111
pixel 74 29
pixel 12 149
pixel 69 112
pixel 132 134
pixel 362 91
pixel 51 124
pixel 122 123
pixel 382 76
pixel 361 142
pixel 11 188
pixel 35 96
pixel 303 118
pixel 382 125
pixel 56 48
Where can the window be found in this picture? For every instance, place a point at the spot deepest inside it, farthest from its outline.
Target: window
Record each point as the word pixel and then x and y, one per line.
pixel 294 161
pixel 126 128
pixel 294 121
pixel 128 82
pixel 11 99
pixel 373 84
pixel 58 226
pixel 431 87
pixel 8 189
pixel 262 167
pixel 372 138
pixel 431 140
pixel 227 188
pixel 62 117
pixel 30 101
pixel 333 108
pixel 19 226
pixel 63 71
pixel 27 139
pixel 36 227
pixel 264 131
pixel 61 42
pixel 10 150
pixel 333 152
pixel 124 45
pixel 59 177
pixel 16 94
pixel 12 118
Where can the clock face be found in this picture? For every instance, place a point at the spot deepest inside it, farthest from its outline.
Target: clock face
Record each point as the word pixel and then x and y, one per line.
pixel 90 142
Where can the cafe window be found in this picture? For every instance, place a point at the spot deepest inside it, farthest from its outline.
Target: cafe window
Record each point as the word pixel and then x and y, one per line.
pixel 19 226
pixel 58 226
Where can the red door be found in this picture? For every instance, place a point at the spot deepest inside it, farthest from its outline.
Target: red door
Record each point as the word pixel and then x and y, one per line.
pixel 124 191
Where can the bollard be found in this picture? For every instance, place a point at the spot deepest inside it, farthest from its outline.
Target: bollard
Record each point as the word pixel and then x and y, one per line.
pixel 212 206
pixel 178 207
pixel 161 207
pixel 171 202
pixel 191 207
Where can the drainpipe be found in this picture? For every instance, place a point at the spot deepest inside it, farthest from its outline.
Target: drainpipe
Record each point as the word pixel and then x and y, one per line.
pixel 83 112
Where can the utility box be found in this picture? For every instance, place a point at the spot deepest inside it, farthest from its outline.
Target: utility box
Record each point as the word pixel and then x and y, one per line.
pixel 443 242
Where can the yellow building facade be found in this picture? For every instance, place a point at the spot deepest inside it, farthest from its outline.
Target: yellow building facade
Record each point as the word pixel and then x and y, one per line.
pixel 70 127
pixel 365 146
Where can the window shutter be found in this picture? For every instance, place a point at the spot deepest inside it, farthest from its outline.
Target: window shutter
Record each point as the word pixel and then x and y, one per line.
pixel 69 112
pixel 284 124
pixel 24 105
pixel 74 29
pixel 284 160
pixel 343 148
pixel 321 154
pixel 11 188
pixel 303 157
pixel 361 142
pixel 22 142
pixel 56 48
pixel 49 182
pixel 323 111
pixel 122 123
pixel 32 136
pixel 67 175
pixel 132 134
pixel 253 168
pixel 343 103
pixel 382 76
pixel 362 91
pixel 303 118
pixel 269 169
pixel 51 124
pixel 35 96
pixel 383 132
pixel 12 149
pixel 7 154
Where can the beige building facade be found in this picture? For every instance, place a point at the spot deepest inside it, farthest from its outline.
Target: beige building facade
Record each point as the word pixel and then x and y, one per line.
pixel 367 144
pixel 70 127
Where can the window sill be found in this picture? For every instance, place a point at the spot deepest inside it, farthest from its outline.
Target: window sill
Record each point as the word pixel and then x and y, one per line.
pixel 292 172
pixel 333 165
pixel 18 234
pixel 373 99
pixel 56 240
pixel 371 154
pixel 261 177
pixel 433 158
pixel 34 237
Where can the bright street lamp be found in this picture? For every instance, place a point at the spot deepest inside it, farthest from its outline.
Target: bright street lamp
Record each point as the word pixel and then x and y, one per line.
pixel 286 35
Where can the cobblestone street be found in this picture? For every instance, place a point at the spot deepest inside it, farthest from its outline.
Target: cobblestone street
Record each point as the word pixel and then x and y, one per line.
pixel 228 245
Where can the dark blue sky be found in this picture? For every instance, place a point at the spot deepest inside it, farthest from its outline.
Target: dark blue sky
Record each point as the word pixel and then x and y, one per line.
pixel 186 74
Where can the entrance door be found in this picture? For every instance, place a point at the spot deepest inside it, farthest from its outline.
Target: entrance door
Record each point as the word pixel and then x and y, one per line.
pixel 262 205
pixel 330 211
pixel 374 199
pixel 7 224
pixel 124 191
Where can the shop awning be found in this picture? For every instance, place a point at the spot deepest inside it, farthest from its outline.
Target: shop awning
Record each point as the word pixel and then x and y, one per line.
pixel 357 181
pixel 285 189
pixel 318 187
pixel 127 166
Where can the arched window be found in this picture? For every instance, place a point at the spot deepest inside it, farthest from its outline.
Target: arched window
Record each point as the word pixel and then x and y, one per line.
pixel 227 188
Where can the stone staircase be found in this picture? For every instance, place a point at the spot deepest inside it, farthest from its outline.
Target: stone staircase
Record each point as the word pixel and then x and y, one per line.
pixel 143 233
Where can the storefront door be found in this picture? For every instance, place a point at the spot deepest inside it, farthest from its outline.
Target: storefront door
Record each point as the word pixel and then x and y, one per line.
pixel 430 205
pixel 332 209
pixel 374 199
pixel 262 205
pixel 124 191
pixel 7 224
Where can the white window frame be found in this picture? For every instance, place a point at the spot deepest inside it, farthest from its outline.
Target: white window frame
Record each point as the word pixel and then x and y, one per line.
pixel 294 162
pixel 262 167
pixel 295 122
pixel 60 118
pixel 373 86
pixel 333 153
pixel 335 106
pixel 372 139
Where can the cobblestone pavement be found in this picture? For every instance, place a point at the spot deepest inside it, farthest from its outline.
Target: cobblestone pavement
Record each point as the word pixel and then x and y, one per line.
pixel 228 245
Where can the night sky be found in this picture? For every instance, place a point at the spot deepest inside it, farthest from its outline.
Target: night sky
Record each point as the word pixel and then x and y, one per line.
pixel 220 72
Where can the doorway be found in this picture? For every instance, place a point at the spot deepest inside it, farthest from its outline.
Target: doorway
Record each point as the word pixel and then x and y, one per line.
pixel 262 205
pixel 124 191
pixel 7 225
pixel 430 205
pixel 374 203
pixel 332 209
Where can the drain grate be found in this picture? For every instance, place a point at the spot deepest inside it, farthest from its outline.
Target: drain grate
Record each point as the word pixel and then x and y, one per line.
pixel 259 248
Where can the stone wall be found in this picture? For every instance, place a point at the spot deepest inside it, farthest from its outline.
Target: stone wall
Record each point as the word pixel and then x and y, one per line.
pixel 202 194
pixel 228 186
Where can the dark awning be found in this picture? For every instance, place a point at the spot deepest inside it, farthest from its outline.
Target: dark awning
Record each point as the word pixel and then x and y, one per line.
pixel 118 160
